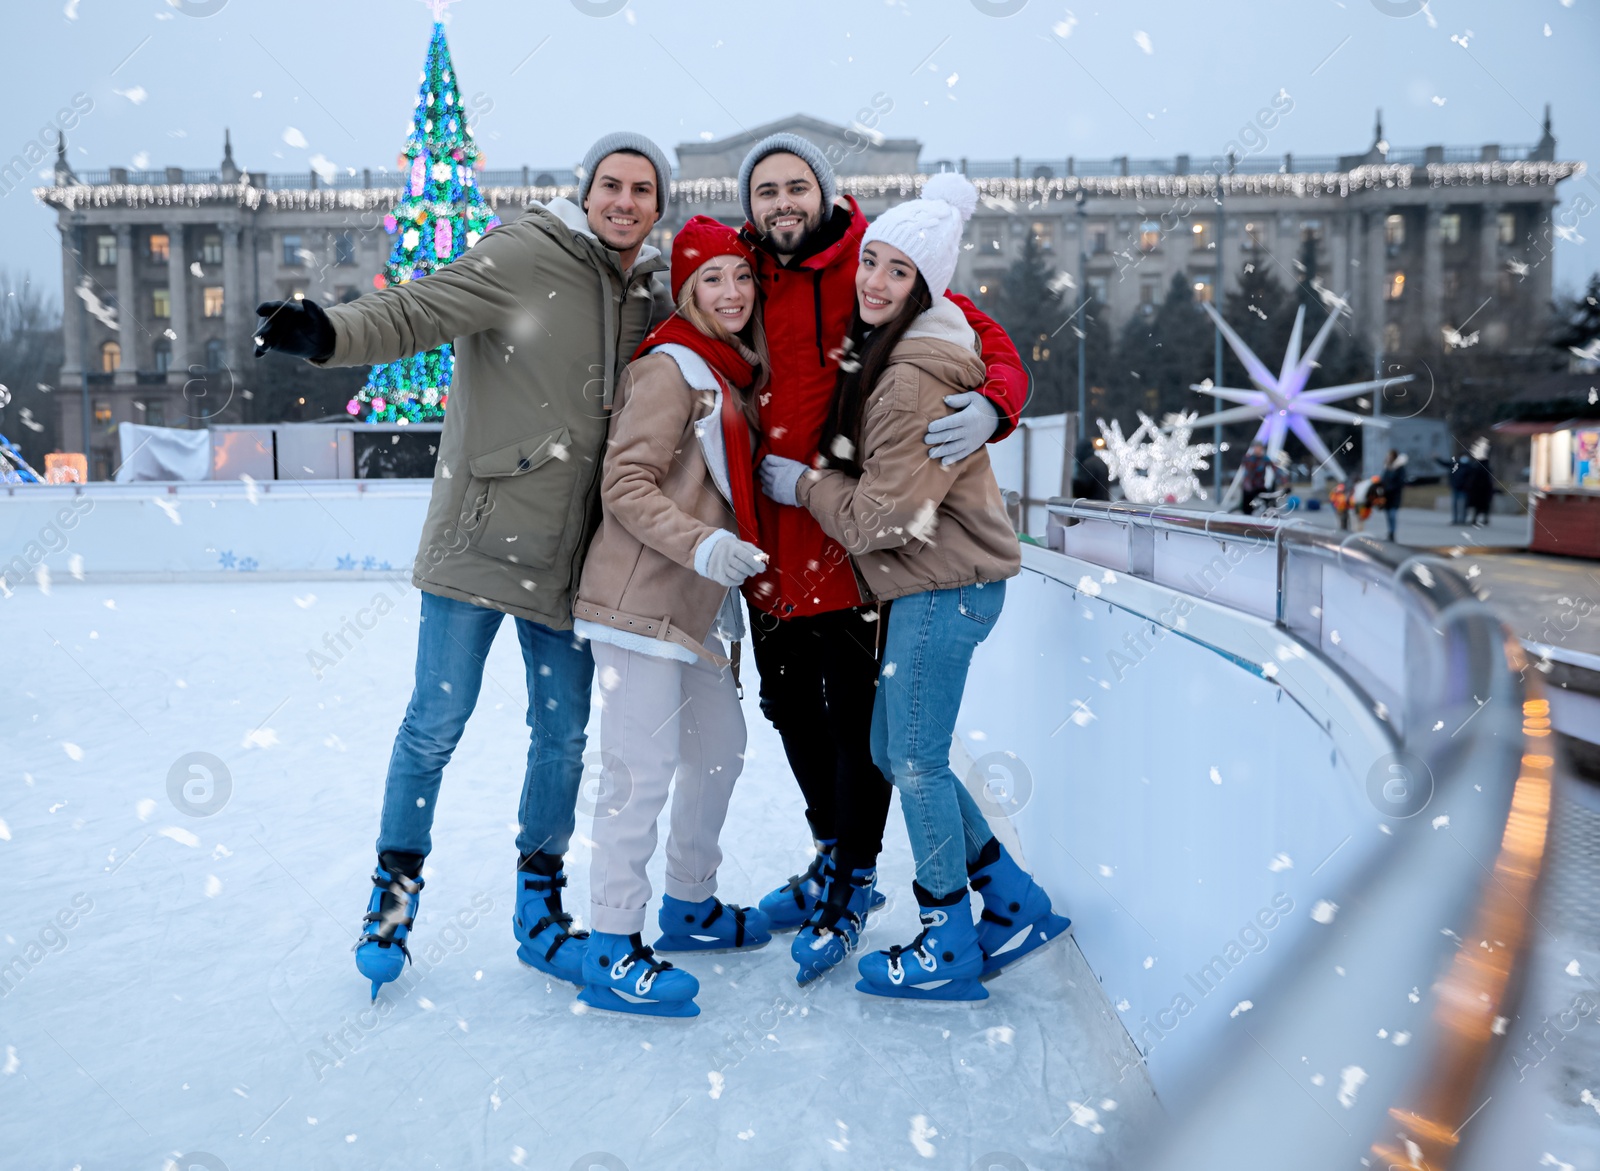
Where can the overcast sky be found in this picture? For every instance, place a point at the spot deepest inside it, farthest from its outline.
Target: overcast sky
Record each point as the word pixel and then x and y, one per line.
pixel 1139 77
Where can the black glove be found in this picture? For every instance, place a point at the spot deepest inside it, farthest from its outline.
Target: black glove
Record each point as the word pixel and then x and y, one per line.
pixel 297 328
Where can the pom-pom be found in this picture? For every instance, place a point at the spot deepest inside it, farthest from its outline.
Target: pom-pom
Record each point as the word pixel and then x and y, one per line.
pixel 953 189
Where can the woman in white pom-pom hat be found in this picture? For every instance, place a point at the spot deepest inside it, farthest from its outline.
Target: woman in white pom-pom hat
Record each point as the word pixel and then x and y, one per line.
pixel 935 542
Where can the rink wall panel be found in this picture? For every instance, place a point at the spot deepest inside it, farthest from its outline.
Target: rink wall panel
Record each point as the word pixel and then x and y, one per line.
pixel 203 531
pixel 1187 787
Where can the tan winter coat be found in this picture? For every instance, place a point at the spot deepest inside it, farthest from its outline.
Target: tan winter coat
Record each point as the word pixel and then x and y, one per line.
pixel 663 492
pixel 543 320
pixel 910 523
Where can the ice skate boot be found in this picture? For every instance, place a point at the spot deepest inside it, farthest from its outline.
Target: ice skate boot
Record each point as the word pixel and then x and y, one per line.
pixel 711 925
pixel 942 963
pixel 1016 918
pixel 789 905
pixel 836 923
pixel 381 952
pixel 620 974
pixel 545 939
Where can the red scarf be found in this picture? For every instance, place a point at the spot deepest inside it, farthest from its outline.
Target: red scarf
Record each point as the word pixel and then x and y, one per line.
pixel 730 367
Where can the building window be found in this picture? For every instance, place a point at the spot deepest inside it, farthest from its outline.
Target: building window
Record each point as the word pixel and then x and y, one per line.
pixel 1044 235
pixel 102 408
pixel 1149 293
pixel 1450 279
pixel 1202 289
pixel 1098 288
pixel 213 301
pixel 155 413
pixel 1099 241
pixel 1508 227
pixel 1395 287
pixel 291 252
pixel 1391 338
pixel 105 249
pixel 211 250
pixel 1200 236
pixel 110 358
pixel 161 303
pixel 160 246
pixel 1255 236
pixel 163 359
pixel 1149 236
pixel 1310 230
pixel 1450 228
pixel 1394 232
pixel 214 354
pixel 344 250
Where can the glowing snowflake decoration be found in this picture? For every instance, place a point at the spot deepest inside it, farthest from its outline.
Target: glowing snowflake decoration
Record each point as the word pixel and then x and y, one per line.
pixel 1283 404
pixel 1159 469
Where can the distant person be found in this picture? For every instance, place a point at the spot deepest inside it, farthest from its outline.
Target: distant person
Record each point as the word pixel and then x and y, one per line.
pixel 1254 480
pixel 1456 471
pixel 1339 501
pixel 1089 473
pixel 1480 484
pixel 1394 487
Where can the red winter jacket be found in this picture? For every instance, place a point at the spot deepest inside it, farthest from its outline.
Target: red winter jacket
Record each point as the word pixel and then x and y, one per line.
pixel 806 315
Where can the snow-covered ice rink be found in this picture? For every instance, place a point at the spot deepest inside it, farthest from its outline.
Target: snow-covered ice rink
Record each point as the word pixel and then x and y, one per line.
pixel 186 993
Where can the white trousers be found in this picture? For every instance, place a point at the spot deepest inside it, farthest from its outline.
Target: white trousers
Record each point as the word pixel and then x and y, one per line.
pixel 660 717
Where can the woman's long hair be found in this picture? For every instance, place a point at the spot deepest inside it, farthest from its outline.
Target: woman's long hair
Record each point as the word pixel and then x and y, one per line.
pixel 866 353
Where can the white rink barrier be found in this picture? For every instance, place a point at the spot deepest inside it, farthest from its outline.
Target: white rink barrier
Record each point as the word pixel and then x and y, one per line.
pixel 209 530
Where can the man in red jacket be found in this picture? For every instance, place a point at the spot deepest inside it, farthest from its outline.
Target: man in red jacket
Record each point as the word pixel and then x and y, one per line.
pixel 814 636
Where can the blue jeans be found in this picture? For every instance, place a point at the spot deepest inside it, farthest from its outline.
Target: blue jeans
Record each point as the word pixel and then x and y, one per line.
pixel 925 660
pixel 452 644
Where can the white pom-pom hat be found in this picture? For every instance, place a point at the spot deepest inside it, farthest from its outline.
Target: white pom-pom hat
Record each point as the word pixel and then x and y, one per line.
pixel 929 229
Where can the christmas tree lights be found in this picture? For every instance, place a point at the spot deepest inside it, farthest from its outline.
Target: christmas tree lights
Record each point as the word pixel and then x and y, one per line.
pixel 441 213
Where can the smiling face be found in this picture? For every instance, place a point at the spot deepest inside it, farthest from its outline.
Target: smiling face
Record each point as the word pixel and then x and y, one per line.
pixel 785 201
pixel 884 280
pixel 725 291
pixel 621 204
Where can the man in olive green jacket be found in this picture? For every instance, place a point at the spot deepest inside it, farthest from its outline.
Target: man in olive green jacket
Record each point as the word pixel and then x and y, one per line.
pixel 543 314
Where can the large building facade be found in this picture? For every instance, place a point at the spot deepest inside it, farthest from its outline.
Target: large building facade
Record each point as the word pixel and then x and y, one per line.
pixel 162 270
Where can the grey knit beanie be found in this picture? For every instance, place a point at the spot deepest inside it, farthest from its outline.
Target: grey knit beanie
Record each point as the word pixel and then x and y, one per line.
pixel 790 144
pixel 627 140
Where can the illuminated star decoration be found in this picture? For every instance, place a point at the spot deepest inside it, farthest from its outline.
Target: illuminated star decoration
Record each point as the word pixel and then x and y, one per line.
pixel 1283 404
pixel 440 7
pixel 1160 471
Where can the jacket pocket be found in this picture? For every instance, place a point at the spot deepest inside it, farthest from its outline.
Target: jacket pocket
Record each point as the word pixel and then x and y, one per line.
pixel 523 491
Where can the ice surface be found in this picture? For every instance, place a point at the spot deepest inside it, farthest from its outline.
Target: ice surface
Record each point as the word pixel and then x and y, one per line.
pixel 204 1000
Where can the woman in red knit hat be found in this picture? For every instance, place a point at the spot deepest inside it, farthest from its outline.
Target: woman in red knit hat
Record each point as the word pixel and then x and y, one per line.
pixel 676 538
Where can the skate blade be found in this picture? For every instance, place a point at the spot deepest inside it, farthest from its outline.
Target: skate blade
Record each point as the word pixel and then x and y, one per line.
pixel 1042 931
pixel 607 1000
pixel 679 944
pixel 962 990
pixel 575 981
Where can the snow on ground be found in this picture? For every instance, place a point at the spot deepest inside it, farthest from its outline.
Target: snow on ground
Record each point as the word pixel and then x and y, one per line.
pixel 178 986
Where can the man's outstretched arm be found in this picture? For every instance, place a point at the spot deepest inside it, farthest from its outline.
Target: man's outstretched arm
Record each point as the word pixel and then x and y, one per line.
pixel 991 413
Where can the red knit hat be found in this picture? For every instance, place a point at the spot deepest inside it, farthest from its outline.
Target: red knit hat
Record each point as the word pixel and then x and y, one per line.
pixel 697 242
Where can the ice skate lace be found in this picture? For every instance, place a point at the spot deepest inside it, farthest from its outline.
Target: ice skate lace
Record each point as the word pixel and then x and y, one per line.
pixel 640 955
pixel 550 887
pixel 398 891
pixel 828 914
pixel 924 958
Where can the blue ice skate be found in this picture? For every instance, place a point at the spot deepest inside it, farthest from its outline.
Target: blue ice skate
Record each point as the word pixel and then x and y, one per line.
pixel 545 939
pixel 711 925
pixel 1017 918
pixel 381 952
pixel 942 963
pixel 620 974
pixel 788 906
pixel 835 925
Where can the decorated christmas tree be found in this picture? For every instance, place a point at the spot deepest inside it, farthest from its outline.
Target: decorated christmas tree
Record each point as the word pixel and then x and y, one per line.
pixel 440 215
